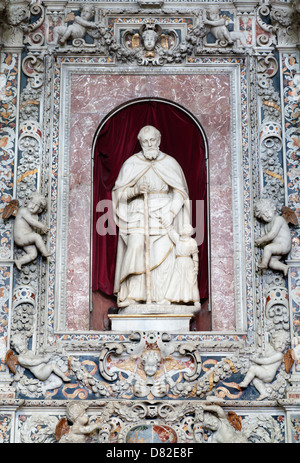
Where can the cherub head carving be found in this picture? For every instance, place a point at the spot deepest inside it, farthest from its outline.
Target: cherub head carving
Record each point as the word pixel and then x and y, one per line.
pixel 151 361
pixel 150 34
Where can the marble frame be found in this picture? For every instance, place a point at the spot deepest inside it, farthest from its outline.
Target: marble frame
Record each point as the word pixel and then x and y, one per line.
pixel 243 252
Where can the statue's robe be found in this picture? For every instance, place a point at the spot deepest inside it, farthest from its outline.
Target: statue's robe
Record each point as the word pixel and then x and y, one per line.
pixel 167 192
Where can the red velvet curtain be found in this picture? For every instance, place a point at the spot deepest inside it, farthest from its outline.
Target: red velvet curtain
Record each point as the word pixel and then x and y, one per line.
pixel 117 141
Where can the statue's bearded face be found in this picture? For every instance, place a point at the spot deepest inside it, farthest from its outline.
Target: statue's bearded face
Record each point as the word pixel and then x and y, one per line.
pixel 150 142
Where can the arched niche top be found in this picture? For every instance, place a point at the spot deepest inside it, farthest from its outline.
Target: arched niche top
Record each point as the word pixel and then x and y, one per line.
pixel 145 100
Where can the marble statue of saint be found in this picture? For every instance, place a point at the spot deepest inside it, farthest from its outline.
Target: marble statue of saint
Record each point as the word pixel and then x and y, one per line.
pixel 150 195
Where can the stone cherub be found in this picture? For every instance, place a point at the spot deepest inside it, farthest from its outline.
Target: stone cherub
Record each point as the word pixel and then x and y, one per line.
pixel 78 29
pixel 80 429
pixel 151 361
pixel 226 428
pixel 24 235
pixel 218 27
pixel 39 365
pixel 263 369
pixel 277 237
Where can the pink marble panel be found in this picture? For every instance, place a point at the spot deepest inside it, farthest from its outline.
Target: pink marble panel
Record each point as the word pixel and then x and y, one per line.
pixel 222 297
pixel 207 97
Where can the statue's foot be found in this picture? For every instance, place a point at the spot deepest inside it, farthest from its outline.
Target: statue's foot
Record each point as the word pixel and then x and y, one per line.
pixel 164 302
pixel 262 265
pixel 18 265
pixel 47 254
pixel 243 385
pixel 124 303
pixel 263 395
pixel 66 378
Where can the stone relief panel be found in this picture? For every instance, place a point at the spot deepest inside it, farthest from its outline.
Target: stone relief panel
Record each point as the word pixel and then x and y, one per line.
pixel 145 422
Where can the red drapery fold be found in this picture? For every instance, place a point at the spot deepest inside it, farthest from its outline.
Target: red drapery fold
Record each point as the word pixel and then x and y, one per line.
pixel 117 141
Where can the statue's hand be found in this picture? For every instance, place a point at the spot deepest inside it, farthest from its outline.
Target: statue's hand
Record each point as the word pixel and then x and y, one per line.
pixel 258 241
pixel 167 220
pixel 44 228
pixel 143 188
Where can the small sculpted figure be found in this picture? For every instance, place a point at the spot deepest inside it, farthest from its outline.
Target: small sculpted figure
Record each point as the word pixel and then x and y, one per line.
pixel 150 35
pixel 224 428
pixel 183 286
pixel 39 365
pixel 77 30
pixel 151 360
pixel 24 235
pixel 80 428
pixel 277 238
pixel 263 370
pixel 218 27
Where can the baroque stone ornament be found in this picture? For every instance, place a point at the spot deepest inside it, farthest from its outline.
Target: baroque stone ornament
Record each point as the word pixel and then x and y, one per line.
pixel 80 26
pixel 146 365
pixel 217 26
pixel 191 387
pixel 263 370
pixel 80 428
pixel 25 222
pixel 277 237
pixel 39 365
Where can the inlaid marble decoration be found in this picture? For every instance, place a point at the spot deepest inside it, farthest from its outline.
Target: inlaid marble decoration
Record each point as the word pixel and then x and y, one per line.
pixel 8 118
pixel 291 100
pixel 5 290
pixel 8 123
pixel 5 428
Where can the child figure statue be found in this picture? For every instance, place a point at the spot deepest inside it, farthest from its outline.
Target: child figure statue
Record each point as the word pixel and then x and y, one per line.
pixel 76 30
pixel 80 429
pixel 39 365
pixel 277 237
pixel 263 370
pixel 183 286
pixel 24 236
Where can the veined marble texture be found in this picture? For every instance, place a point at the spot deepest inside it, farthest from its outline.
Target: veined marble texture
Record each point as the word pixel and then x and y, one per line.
pixel 208 98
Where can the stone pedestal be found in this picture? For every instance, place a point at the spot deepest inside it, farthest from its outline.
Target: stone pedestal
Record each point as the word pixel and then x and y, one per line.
pixel 172 323
pixel 151 309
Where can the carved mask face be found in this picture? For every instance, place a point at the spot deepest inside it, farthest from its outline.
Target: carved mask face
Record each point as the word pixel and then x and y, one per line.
pixel 17 14
pixel 151 363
